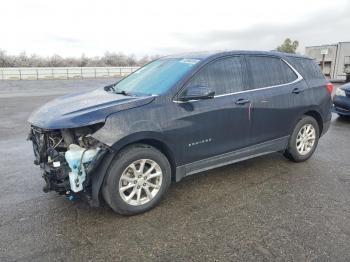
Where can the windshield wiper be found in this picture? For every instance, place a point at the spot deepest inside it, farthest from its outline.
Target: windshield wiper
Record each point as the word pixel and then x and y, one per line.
pixel 122 92
pixel 116 91
pixel 110 87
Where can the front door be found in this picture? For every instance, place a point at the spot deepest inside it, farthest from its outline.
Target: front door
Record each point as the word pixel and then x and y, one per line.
pixel 219 125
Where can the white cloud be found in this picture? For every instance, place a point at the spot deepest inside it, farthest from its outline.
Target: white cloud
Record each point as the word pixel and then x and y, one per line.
pixel 72 27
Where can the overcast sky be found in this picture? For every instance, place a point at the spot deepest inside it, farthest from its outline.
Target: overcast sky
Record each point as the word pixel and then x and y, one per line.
pixel 73 27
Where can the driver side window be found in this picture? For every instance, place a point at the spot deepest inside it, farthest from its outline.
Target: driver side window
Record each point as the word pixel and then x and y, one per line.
pixel 223 76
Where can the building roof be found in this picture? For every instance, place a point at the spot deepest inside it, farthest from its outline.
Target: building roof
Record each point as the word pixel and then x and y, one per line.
pixel 325 45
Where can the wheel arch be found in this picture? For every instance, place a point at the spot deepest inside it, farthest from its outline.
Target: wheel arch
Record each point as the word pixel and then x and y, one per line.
pixel 153 139
pixel 318 117
pixel 164 149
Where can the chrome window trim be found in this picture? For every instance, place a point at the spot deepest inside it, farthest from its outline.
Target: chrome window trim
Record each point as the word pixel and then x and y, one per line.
pixel 181 102
pixel 299 78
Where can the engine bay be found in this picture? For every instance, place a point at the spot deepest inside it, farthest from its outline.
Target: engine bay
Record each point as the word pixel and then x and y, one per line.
pixel 66 158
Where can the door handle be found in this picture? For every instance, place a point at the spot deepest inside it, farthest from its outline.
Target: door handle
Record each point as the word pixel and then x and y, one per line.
pixel 297 90
pixel 242 101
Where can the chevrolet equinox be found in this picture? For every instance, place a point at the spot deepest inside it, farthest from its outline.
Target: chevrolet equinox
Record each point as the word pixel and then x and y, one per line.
pixel 177 116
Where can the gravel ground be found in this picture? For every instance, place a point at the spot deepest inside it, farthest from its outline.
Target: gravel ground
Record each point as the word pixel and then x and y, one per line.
pixel 262 209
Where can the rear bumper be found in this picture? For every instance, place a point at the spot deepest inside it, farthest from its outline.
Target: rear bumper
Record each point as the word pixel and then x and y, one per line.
pixel 341 105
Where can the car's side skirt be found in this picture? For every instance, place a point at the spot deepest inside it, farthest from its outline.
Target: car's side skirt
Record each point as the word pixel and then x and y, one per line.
pixel 232 157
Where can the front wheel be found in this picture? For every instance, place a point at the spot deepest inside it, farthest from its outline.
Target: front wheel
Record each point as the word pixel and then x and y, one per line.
pixel 136 180
pixel 304 139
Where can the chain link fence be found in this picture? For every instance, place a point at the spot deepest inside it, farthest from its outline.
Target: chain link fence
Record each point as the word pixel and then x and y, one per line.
pixel 38 73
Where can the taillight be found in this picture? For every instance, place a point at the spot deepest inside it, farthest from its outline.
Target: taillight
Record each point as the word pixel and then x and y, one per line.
pixel 329 87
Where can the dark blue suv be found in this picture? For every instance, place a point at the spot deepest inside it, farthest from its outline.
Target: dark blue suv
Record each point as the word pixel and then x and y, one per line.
pixel 341 101
pixel 177 116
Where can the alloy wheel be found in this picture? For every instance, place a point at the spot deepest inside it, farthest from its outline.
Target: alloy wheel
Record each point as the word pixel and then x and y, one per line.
pixel 140 182
pixel 305 139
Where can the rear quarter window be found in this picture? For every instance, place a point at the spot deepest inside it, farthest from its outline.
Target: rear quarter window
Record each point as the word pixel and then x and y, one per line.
pixel 309 70
pixel 268 71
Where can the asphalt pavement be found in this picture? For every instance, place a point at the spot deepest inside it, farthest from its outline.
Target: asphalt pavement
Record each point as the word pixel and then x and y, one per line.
pixel 263 209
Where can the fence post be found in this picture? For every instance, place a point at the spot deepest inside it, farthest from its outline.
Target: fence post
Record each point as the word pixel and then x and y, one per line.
pixel 120 71
pixel 67 73
pixel 37 74
pixel 81 73
pixel 108 71
pixel 20 74
pixel 53 77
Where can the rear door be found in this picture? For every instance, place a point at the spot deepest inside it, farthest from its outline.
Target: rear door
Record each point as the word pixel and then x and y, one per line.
pixel 277 97
pixel 215 126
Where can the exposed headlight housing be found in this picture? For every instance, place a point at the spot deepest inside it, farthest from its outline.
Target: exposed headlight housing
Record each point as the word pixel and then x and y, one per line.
pixel 340 92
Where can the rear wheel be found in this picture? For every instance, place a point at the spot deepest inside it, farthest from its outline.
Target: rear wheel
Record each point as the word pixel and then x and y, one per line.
pixel 136 180
pixel 304 139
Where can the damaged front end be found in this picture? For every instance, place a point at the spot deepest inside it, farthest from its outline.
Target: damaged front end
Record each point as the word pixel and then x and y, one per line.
pixel 67 158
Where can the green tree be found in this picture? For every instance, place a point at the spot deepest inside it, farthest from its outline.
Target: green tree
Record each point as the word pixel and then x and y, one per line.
pixel 288 46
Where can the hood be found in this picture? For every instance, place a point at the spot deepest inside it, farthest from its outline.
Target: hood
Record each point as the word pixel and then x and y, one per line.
pixel 83 109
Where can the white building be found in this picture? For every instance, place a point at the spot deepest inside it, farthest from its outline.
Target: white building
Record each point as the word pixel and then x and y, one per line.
pixel 334 59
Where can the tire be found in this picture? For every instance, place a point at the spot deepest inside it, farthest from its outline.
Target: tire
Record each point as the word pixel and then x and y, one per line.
pixel 294 151
pixel 130 202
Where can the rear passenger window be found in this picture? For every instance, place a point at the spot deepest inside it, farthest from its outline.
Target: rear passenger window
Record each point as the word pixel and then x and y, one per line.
pixel 223 76
pixel 269 71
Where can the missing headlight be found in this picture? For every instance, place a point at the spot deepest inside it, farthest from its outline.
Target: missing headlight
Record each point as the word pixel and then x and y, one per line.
pixel 83 137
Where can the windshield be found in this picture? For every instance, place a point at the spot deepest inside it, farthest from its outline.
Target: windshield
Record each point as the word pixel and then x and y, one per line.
pixel 156 77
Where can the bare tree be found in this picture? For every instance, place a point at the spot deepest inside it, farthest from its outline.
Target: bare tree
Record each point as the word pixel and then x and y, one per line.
pixel 3 59
pixel 108 59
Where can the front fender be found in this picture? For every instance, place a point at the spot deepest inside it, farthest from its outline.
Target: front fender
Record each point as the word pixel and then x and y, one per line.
pixel 137 137
pixel 120 126
pixel 117 132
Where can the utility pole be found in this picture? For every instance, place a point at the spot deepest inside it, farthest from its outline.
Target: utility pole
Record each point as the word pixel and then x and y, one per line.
pixel 324 52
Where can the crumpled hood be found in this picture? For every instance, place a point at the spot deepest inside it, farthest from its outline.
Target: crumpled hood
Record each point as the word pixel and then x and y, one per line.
pixel 83 109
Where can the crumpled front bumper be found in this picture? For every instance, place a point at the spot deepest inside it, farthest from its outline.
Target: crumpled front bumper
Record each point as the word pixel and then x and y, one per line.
pixel 55 167
pixel 54 174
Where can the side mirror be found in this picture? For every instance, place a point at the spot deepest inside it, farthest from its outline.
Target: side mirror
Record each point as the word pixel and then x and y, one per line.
pixel 196 93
